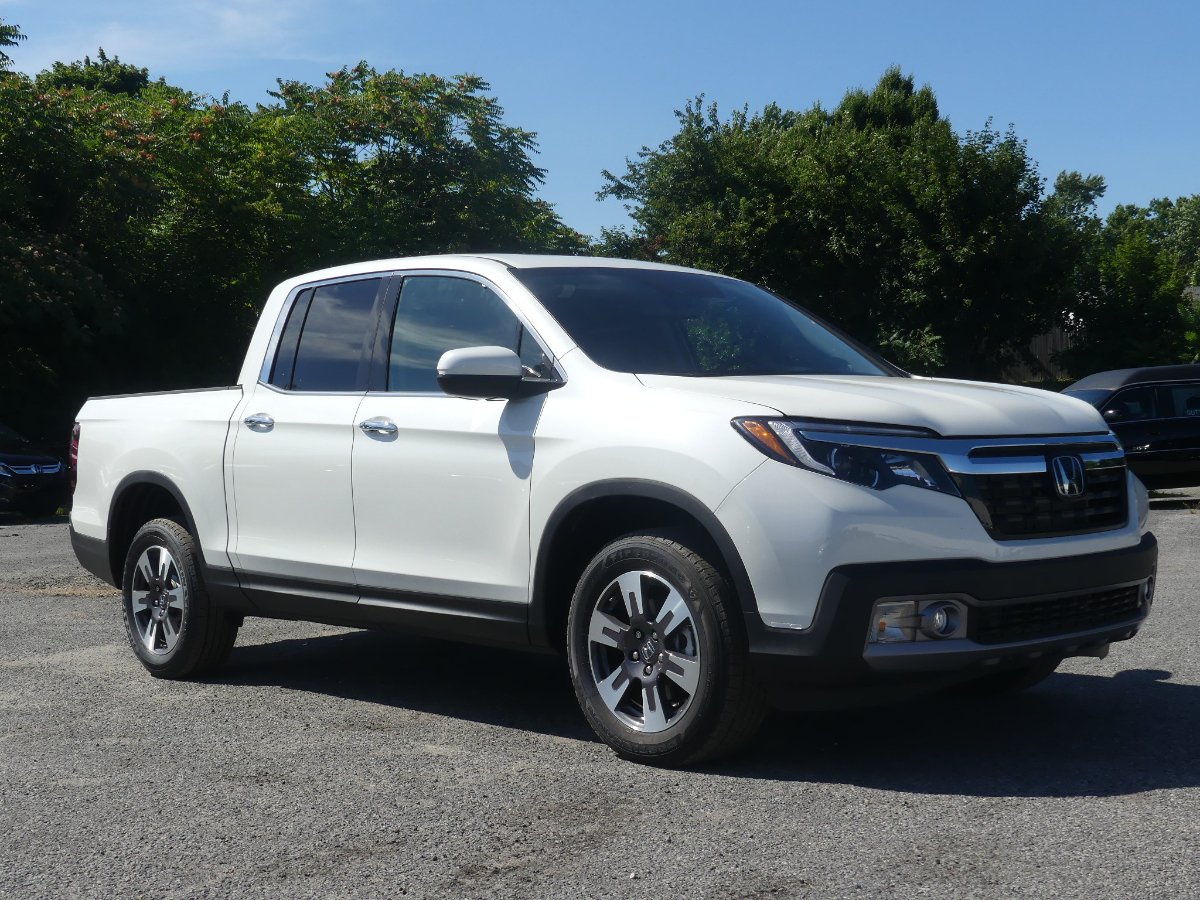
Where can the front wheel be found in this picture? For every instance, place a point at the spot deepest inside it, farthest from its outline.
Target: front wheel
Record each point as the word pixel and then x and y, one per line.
pixel 657 656
pixel 172 624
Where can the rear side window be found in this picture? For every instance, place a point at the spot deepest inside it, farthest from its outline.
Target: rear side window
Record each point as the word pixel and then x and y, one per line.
pixel 285 356
pixel 439 313
pixel 1181 401
pixel 325 343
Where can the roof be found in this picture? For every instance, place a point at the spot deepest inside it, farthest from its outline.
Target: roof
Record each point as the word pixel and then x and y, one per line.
pixel 546 261
pixel 475 260
pixel 1118 378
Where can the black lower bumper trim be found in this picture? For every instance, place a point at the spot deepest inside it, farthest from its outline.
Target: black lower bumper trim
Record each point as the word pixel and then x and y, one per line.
pixel 92 554
pixel 831 650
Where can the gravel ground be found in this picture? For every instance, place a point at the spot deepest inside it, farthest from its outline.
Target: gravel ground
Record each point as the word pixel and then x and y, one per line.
pixel 328 762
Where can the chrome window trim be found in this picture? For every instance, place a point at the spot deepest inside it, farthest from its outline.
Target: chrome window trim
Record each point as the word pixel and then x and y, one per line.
pixel 1155 419
pixel 289 393
pixel 1150 384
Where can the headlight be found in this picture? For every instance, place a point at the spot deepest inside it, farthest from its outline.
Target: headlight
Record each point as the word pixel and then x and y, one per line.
pixel 5 472
pixel 848 455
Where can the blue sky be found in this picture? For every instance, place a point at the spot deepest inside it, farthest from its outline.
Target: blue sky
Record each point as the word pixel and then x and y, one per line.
pixel 1108 88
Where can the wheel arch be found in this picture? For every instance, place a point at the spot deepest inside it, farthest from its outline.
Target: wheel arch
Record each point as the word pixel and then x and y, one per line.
pixel 592 516
pixel 138 498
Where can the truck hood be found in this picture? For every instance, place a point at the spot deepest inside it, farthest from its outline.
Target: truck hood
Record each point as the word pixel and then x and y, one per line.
pixel 950 408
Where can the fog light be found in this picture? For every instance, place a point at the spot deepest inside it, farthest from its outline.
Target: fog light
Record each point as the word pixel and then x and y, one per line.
pixel 893 622
pixel 941 619
pixel 1149 590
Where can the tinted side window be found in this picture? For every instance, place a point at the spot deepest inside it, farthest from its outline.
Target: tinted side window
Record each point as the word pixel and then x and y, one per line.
pixel 285 355
pixel 439 313
pixel 1132 405
pixel 1181 401
pixel 332 354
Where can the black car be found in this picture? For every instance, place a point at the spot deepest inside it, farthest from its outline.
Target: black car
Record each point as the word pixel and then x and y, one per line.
pixel 32 480
pixel 1156 414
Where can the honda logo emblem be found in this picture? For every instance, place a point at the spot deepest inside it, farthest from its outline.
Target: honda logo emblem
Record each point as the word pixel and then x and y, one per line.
pixel 1069 479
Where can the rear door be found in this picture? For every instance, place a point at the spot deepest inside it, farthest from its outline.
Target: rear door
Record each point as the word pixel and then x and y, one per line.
pixel 293 510
pixel 1179 437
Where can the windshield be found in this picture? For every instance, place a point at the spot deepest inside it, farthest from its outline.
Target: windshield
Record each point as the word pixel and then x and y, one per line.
pixel 657 322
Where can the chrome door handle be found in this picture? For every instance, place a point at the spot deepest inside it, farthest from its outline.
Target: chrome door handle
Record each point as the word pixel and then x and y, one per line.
pixel 259 420
pixel 378 426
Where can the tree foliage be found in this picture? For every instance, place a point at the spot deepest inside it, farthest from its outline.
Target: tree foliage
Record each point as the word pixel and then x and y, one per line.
pixel 1135 302
pixel 414 161
pixel 101 74
pixel 941 249
pixel 142 225
pixel 10 36
pixel 944 250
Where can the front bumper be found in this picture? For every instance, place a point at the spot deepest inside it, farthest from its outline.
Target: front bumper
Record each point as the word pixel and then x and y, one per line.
pixel 833 651
pixel 22 492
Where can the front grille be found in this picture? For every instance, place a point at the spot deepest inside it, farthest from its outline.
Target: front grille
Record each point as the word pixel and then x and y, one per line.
pixel 1027 505
pixel 1033 619
pixel 36 469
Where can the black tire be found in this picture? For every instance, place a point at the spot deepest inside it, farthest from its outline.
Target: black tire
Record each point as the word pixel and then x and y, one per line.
pixel 203 633
pixel 723 712
pixel 1010 681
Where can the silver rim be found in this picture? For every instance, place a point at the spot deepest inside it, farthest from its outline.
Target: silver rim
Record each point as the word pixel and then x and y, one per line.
pixel 643 651
pixel 156 600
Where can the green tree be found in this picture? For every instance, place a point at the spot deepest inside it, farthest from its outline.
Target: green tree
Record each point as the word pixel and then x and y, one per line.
pixel 1135 305
pixel 142 225
pixel 54 303
pixel 939 248
pixel 1189 313
pixel 101 74
pixel 401 163
pixel 10 36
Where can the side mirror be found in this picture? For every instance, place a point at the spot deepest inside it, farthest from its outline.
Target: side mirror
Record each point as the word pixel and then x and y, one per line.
pixel 488 373
pixel 1112 415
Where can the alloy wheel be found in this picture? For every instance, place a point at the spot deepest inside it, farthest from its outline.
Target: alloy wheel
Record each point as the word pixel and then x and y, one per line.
pixel 643 650
pixel 157 600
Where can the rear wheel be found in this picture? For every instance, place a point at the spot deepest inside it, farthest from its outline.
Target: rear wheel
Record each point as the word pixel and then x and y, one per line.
pixel 172 624
pixel 657 657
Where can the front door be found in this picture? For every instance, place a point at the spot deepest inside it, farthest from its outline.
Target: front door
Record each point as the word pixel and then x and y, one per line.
pixel 441 483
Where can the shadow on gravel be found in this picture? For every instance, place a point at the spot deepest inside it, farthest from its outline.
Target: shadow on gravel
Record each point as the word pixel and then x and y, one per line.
pixel 481 684
pixel 1073 735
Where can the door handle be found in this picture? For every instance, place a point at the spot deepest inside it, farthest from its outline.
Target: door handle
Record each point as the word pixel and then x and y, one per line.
pixel 259 420
pixel 378 426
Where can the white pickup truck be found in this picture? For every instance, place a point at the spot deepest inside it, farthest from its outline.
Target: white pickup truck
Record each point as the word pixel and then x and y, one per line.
pixel 706 498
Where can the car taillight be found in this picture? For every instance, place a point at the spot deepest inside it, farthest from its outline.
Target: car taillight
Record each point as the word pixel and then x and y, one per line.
pixel 74 455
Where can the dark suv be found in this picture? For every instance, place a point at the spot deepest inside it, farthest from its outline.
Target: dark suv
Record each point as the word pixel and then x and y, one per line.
pixel 32 480
pixel 1156 414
